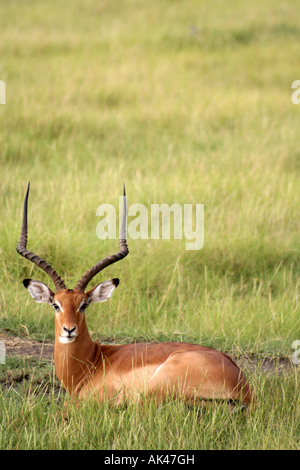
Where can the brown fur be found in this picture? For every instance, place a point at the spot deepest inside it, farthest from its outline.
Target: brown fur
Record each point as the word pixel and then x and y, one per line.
pixel 123 372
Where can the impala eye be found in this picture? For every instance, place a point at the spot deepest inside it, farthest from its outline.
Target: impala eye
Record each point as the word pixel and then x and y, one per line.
pixel 56 307
pixel 83 307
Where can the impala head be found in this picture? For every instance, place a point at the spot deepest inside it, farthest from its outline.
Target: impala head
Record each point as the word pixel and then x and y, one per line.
pixel 70 304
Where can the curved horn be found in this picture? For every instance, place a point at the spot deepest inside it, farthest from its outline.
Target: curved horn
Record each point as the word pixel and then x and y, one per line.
pixel 21 249
pixel 81 285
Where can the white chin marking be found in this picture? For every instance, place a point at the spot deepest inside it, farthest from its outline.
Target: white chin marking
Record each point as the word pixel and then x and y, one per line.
pixel 66 340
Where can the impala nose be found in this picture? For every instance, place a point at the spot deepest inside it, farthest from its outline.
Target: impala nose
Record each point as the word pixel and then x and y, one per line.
pixel 69 331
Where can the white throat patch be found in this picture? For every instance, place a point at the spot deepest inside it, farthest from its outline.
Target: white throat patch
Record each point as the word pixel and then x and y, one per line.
pixel 66 339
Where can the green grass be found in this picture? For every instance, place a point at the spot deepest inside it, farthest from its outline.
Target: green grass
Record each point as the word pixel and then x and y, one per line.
pixel 36 414
pixel 186 102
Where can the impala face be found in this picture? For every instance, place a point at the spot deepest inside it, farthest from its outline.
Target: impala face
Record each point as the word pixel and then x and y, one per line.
pixel 69 305
pixel 69 309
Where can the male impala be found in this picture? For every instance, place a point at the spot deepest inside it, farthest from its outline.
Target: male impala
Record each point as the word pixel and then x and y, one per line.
pixel 125 372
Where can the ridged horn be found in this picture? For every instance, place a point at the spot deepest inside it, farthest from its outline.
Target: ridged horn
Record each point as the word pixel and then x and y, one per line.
pixel 22 250
pixel 86 278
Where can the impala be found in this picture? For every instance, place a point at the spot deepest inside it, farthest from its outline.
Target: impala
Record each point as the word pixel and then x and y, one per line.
pixel 125 372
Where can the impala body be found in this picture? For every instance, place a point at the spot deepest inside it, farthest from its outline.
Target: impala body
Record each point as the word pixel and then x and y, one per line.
pixel 125 372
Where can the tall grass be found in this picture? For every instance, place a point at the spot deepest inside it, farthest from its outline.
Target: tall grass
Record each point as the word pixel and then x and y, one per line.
pixel 38 415
pixel 186 102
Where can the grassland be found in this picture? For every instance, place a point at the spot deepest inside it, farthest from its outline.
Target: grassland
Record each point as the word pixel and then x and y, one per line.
pixel 187 102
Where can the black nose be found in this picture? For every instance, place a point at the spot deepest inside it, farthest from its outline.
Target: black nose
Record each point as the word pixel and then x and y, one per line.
pixel 69 331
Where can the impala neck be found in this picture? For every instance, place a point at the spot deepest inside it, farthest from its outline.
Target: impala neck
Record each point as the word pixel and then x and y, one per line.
pixel 74 362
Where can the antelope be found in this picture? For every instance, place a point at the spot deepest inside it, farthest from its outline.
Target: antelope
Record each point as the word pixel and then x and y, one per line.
pixel 125 372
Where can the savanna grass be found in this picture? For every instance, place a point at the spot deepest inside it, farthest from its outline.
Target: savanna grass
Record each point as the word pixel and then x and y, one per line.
pixel 186 102
pixel 38 415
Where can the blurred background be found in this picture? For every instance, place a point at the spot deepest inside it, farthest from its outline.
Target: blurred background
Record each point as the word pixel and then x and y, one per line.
pixel 186 102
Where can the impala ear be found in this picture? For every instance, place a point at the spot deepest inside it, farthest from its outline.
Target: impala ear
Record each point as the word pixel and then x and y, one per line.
pixel 102 291
pixel 39 291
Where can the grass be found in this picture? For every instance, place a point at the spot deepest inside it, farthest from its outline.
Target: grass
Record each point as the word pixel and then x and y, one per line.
pixel 33 416
pixel 186 103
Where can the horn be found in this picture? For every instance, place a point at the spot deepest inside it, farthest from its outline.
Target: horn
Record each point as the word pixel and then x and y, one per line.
pixel 123 251
pixel 22 250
